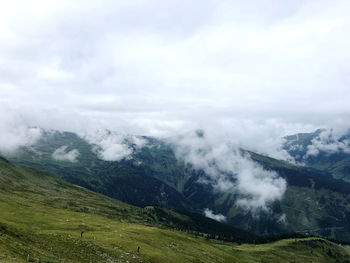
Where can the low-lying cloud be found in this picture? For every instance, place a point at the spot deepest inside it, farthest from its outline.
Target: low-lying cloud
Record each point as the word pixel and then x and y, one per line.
pixel 228 168
pixel 329 142
pixel 14 133
pixel 258 187
pixel 62 154
pixel 258 66
pixel 125 66
pixel 113 146
pixel 218 217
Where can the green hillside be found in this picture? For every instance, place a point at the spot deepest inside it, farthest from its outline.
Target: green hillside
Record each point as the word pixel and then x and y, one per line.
pixel 42 218
pixel 313 203
pixel 116 179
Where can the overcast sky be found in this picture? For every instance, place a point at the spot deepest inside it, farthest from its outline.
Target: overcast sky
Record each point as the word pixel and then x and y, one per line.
pixel 257 69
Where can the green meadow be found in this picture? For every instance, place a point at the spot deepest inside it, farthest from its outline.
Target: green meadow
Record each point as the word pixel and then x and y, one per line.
pixel 42 218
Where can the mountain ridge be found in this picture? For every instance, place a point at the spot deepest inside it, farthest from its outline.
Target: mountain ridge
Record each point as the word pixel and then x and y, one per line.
pixel 151 167
pixel 48 220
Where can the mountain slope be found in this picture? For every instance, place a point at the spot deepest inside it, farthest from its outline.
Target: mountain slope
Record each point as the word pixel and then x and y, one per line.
pixel 314 202
pixel 114 179
pixel 42 219
pixel 28 184
pixel 323 151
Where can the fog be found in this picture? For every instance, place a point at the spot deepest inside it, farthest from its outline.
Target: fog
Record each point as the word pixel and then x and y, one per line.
pixel 245 72
pixel 229 169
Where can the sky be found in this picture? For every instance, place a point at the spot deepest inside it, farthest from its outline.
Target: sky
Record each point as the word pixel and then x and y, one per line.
pixel 243 73
pixel 250 70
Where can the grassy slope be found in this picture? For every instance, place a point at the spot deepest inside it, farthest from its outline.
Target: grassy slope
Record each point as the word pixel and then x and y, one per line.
pixel 42 217
pixel 163 181
pixel 113 179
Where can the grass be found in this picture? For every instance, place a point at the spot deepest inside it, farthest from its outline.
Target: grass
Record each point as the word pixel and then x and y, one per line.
pixel 42 217
pixel 313 203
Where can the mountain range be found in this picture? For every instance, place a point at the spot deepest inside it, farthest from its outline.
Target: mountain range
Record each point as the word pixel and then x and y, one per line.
pixel 315 200
pixel 45 219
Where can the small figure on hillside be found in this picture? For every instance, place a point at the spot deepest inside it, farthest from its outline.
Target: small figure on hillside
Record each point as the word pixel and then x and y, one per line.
pixel 138 250
pixel 81 235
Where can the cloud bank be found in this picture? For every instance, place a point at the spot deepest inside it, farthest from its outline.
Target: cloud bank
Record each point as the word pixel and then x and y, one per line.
pixel 15 133
pixel 126 66
pixel 61 154
pixel 227 168
pixel 329 141
pixel 246 72
pixel 113 146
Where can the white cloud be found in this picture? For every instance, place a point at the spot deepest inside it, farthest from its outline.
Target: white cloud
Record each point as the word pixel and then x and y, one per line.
pixel 229 169
pixel 61 154
pixel 257 70
pixel 15 133
pixel 260 59
pixel 112 146
pixel 218 217
pixel 259 187
pixel 329 142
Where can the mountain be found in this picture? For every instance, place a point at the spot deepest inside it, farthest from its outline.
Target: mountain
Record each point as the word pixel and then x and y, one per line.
pixel 42 219
pixel 323 151
pixel 115 179
pixel 314 202
pixel 25 182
